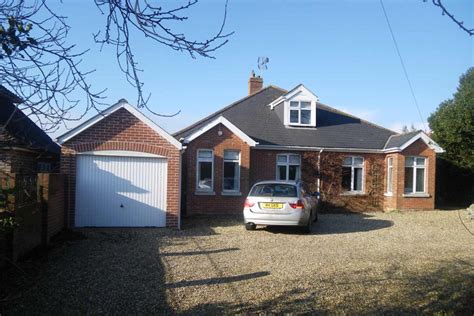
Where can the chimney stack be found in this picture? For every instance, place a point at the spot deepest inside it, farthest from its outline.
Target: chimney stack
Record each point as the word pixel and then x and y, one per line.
pixel 255 83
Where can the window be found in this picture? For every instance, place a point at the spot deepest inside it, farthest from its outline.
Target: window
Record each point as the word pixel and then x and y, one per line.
pixel 352 174
pixel 415 174
pixel 389 174
pixel 205 170
pixel 231 171
pixel 274 190
pixel 288 167
pixel 300 113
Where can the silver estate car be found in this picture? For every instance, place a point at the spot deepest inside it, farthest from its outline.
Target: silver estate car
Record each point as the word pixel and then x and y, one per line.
pixel 284 203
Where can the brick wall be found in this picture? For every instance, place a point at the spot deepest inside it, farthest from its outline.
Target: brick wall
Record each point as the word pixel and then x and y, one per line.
pixel 418 148
pixel 217 202
pixel 263 167
pixel 122 131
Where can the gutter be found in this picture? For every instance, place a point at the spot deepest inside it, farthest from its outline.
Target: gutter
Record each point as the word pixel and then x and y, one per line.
pixel 318 184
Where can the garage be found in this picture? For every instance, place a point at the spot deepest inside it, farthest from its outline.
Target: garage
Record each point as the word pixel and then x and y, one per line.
pixel 122 170
pixel 120 189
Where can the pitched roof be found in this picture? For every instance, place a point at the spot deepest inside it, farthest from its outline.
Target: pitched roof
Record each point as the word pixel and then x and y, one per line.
pixel 7 94
pixel 400 139
pixel 122 103
pixel 334 129
pixel 21 130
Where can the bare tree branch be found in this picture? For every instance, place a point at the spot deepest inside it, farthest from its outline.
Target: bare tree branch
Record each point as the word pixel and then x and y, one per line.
pixel 445 11
pixel 38 64
pixel 124 17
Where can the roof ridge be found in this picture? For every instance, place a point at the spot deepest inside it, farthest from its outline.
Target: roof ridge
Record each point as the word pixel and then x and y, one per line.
pixel 225 108
pixel 362 120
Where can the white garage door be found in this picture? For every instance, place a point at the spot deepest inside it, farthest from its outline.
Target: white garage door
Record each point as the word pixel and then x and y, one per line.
pixel 120 191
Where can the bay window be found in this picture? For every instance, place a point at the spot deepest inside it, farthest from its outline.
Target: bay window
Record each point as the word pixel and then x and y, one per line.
pixel 352 174
pixel 415 175
pixel 288 167
pixel 389 174
pixel 231 174
pixel 205 170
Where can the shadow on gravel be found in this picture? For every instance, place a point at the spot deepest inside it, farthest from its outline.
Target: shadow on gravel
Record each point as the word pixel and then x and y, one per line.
pixel 447 290
pixel 196 253
pixel 111 271
pixel 337 224
pixel 328 223
pixel 220 280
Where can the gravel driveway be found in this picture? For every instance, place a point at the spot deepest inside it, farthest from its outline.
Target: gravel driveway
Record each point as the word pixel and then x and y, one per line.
pixel 368 263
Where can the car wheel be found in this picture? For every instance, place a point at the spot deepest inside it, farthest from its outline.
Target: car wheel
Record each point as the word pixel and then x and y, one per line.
pixel 307 228
pixel 250 226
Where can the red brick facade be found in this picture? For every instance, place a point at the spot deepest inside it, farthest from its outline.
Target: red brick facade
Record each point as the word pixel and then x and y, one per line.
pixel 258 165
pixel 400 201
pixel 217 201
pixel 123 131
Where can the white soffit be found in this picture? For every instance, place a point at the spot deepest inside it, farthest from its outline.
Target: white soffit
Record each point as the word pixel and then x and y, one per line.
pixel 221 120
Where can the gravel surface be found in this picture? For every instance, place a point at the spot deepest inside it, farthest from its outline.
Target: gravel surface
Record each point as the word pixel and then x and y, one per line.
pixel 399 262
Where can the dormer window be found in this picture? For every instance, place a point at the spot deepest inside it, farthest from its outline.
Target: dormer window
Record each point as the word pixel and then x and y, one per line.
pixel 300 113
pixel 297 108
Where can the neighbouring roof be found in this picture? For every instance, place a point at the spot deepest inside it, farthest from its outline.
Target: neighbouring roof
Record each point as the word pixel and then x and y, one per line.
pixel 21 130
pixel 334 129
pixel 121 104
pixel 7 94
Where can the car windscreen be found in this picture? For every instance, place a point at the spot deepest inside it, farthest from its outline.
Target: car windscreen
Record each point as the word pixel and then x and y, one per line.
pixel 274 189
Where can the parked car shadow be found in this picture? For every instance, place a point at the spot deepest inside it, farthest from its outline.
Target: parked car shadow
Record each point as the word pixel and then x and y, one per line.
pixel 337 224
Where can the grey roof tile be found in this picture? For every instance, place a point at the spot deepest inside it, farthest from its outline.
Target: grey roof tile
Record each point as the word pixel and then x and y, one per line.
pixel 334 129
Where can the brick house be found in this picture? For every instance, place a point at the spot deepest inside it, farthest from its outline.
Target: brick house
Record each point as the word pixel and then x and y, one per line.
pixel 122 170
pixel 277 134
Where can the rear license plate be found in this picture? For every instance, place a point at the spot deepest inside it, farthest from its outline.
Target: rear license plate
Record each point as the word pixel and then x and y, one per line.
pixel 272 205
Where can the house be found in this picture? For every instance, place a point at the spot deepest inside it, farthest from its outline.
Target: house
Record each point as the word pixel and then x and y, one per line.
pixel 24 147
pixel 122 170
pixel 277 134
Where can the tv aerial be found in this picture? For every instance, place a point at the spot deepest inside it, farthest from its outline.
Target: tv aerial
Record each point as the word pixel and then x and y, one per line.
pixel 262 64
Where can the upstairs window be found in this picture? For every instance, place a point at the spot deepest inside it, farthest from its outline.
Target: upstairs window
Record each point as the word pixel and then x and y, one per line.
pixel 205 170
pixel 300 113
pixel 288 167
pixel 352 173
pixel 231 171
pixel 415 174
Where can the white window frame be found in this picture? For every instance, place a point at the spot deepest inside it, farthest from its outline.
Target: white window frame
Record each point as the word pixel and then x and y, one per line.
pixel 389 184
pixel 415 167
pixel 198 170
pixel 298 108
pixel 353 166
pixel 287 164
pixel 224 160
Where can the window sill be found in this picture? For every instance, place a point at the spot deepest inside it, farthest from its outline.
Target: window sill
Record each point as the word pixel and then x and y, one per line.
pixel 352 193
pixel 204 193
pixel 231 193
pixel 302 126
pixel 416 195
pixel 388 194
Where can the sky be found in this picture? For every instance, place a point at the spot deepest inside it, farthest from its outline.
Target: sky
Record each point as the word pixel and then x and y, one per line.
pixel 340 50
